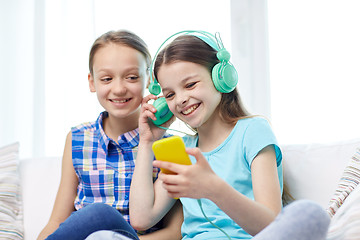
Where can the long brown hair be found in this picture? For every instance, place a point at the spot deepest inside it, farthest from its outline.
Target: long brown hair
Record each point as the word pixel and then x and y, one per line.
pixel 192 49
pixel 123 37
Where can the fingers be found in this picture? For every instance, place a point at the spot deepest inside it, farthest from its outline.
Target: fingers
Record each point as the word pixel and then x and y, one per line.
pixel 188 179
pixel 173 167
pixel 170 184
pixel 177 185
pixel 148 109
pixel 148 98
pixel 178 168
pixel 196 153
pixel 148 112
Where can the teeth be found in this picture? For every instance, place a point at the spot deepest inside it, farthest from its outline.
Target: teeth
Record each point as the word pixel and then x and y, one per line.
pixel 190 110
pixel 119 101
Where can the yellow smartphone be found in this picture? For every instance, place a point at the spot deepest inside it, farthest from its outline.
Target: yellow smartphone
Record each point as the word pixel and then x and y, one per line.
pixel 171 149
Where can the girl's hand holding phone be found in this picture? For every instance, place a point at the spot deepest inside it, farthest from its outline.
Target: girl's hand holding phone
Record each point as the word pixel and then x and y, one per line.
pixel 191 181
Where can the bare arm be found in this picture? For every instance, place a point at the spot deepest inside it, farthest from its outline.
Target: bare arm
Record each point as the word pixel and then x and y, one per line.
pixel 149 201
pixel 64 202
pixel 172 225
pixel 253 216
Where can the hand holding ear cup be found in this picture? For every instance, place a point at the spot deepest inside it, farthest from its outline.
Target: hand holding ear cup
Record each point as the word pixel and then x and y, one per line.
pixel 163 113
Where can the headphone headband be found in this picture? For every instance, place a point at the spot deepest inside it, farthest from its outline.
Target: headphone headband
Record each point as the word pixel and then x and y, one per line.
pixel 213 41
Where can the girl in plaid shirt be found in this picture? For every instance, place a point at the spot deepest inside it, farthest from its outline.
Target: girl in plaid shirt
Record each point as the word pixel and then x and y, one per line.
pixel 98 160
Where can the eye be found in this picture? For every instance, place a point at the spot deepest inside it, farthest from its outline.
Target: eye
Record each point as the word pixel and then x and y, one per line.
pixel 106 79
pixel 190 85
pixel 169 95
pixel 133 78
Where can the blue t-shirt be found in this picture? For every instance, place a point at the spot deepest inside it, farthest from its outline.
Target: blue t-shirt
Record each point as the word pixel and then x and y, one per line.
pixel 231 161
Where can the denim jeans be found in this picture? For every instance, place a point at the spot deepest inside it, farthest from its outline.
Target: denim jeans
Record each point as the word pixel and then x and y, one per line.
pixel 93 218
pixel 301 220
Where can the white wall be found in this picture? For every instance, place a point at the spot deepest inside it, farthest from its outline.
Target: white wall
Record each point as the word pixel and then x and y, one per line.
pixel 314 69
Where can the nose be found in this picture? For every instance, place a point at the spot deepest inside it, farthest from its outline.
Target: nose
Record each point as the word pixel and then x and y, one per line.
pixel 181 99
pixel 119 87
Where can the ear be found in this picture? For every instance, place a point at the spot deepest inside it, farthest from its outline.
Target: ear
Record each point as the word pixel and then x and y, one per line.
pixel 91 83
pixel 148 82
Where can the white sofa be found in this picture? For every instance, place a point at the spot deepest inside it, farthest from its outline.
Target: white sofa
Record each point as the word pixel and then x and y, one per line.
pixel 40 180
pixel 312 171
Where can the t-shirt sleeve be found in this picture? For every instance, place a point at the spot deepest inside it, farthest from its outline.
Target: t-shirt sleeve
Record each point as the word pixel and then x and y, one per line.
pixel 257 136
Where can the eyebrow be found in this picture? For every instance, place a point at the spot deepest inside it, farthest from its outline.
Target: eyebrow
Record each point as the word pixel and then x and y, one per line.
pixel 130 68
pixel 184 80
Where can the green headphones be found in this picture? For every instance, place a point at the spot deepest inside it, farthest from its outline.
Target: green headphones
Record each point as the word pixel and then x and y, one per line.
pixel 224 75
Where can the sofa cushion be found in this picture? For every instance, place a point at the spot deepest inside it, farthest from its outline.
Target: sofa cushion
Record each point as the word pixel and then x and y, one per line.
pixel 346 221
pixel 348 182
pixel 312 171
pixel 11 212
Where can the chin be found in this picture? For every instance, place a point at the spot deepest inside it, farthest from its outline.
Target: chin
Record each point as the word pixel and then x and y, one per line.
pixel 193 125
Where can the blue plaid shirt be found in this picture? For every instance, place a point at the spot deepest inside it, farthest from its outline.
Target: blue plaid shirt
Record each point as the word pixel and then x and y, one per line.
pixel 104 167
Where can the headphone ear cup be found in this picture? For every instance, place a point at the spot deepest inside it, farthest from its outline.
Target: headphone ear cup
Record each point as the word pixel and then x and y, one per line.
pixel 154 88
pixel 163 113
pixel 225 78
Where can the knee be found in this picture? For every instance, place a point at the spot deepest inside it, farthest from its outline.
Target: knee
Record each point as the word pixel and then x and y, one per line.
pixel 106 215
pixel 310 207
pixel 102 211
pixel 100 208
pixel 311 211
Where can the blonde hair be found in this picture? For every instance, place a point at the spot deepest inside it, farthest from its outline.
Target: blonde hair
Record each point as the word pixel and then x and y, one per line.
pixel 119 37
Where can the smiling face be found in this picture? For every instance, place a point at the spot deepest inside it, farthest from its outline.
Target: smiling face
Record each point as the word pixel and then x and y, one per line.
pixel 189 92
pixel 119 76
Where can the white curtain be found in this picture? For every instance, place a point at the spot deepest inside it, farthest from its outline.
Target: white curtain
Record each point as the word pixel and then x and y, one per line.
pixel 17 73
pixel 249 35
pixel 43 72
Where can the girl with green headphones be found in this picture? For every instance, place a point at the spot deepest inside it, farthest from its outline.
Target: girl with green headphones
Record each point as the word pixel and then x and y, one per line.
pixel 233 188
pixel 236 171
